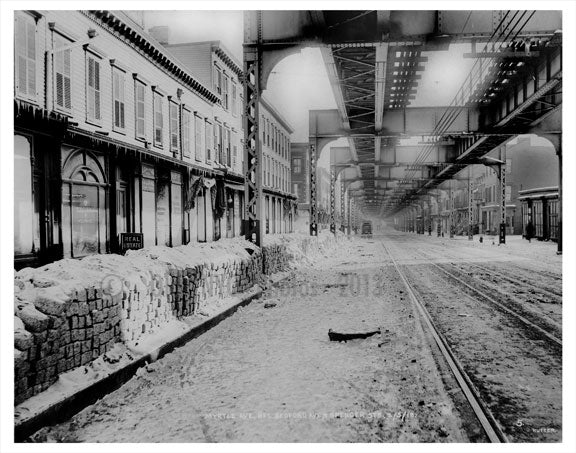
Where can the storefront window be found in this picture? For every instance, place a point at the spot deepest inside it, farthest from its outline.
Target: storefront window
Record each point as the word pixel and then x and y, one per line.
pixel 84 207
pixel 148 205
pixel 26 232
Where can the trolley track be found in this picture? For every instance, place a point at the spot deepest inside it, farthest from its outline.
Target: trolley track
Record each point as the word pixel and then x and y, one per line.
pixel 485 367
pixel 485 417
pixel 547 290
pixel 531 320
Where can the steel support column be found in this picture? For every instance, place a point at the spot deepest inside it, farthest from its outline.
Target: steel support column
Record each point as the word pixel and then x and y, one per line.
pixel 313 204
pixel 348 216
pixel 252 149
pixel 342 205
pixel 332 199
pixel 560 194
pixel 451 217
pixel 470 204
pixel 502 178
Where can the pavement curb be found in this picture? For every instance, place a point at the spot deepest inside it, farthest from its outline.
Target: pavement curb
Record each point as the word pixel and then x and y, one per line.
pixel 71 405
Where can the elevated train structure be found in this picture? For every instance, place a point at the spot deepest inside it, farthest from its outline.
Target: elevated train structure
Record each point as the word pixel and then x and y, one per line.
pixel 375 61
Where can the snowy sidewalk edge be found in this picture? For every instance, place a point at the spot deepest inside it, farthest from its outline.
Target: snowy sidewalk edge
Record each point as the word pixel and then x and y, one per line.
pixel 81 398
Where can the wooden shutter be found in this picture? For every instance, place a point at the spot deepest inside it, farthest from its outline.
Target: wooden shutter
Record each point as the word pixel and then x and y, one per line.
pixel 62 74
pixel 140 115
pixel 93 89
pixel 25 55
pixel 158 120
pixel 173 126
pixel 209 145
pixel 185 133
pixel 118 96
pixel 31 48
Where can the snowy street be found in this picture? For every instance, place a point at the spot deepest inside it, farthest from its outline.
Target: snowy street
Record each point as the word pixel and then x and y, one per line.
pixel 270 374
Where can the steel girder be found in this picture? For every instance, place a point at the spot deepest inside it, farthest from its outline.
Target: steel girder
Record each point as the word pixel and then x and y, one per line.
pixel 357 38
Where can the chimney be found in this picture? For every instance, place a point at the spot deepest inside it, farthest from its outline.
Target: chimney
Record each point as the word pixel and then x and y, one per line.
pixel 161 34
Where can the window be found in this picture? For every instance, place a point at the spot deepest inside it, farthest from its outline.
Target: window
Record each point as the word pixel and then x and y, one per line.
pixel 217 79
pixel 297 166
pixel 26 222
pixel 158 120
pixel 268 132
pixel 234 100
pixel 198 137
pixel 186 125
pixel 174 132
pixel 234 150
pixel 61 68
pixel 118 81
pixel 209 141
pixel 225 92
pixel 25 55
pixel 216 144
pixel 93 89
pixel 139 108
pixel 508 166
pixel 228 150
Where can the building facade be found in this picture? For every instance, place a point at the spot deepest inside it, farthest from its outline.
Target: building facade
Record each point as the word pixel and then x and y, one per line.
pixel 114 135
pixel 531 168
pixel 279 203
pixel 214 66
pixel 300 169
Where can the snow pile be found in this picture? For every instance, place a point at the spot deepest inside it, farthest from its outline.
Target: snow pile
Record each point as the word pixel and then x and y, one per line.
pixel 303 248
pixel 223 251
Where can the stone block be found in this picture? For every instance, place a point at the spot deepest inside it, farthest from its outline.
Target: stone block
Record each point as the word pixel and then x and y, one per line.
pixel 86 358
pixel 34 320
pixel 23 340
pixel 83 308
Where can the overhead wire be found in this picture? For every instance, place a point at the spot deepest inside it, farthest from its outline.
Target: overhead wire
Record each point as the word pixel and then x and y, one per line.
pixel 451 113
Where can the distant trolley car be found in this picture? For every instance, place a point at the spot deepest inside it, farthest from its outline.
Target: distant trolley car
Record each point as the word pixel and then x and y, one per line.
pixel 366 230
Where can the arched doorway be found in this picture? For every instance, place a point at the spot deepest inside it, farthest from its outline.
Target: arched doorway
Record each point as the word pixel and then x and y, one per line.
pixel 84 204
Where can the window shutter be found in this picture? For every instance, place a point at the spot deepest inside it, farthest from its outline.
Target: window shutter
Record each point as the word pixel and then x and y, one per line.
pixel 59 89
pixel 20 50
pixel 186 133
pixel 31 47
pixel 157 120
pixel 173 125
pixel 197 138
pixel 97 89
pixel 209 145
pixel 140 119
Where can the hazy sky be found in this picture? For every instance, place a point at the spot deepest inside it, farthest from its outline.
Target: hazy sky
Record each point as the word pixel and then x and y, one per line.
pixel 299 83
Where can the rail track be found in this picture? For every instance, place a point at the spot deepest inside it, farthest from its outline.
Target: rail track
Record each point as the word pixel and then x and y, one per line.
pixel 552 293
pixel 489 424
pixel 535 324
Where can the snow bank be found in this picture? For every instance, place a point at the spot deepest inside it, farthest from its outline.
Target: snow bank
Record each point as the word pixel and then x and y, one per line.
pixel 71 312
